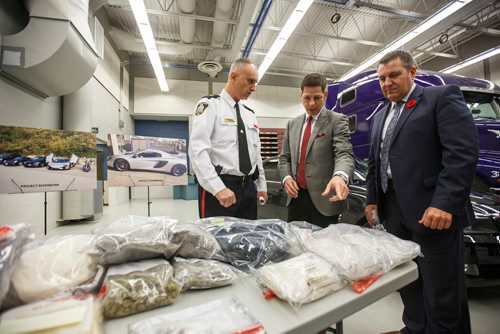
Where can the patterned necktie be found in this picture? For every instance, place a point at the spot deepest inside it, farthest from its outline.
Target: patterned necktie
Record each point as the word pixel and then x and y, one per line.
pixel 384 155
pixel 244 157
pixel 301 174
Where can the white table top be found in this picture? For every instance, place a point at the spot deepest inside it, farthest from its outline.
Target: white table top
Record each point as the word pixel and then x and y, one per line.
pixel 278 316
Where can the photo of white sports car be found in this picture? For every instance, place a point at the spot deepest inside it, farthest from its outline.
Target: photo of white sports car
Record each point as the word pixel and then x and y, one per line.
pixel 59 163
pixel 149 160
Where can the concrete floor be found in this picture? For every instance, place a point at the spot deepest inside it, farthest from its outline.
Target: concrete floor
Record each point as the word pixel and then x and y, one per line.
pixel 382 316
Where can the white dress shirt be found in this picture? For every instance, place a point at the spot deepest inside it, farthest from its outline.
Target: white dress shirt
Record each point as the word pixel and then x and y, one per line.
pixel 214 141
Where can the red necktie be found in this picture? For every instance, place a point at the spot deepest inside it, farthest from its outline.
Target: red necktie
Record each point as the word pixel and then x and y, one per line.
pixel 301 174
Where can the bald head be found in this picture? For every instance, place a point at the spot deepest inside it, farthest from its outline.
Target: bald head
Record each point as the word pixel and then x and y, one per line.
pixel 242 79
pixel 239 63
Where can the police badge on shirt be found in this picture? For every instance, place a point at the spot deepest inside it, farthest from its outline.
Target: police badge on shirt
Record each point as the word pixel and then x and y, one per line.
pixel 200 108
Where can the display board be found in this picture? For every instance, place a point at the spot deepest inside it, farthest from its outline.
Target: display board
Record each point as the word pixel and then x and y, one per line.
pixel 137 161
pixel 41 160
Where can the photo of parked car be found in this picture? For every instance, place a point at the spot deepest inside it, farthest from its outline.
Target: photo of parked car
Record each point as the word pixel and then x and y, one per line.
pixel 482 239
pixel 38 161
pixel 51 158
pixel 149 160
pixel 19 161
pixel 59 163
pixel 8 156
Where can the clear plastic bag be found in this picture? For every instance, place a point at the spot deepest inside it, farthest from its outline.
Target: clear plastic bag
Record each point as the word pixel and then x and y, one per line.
pixel 300 280
pixel 131 222
pixel 295 232
pixel 88 287
pixel 138 286
pixel 133 238
pixel 204 274
pixel 56 316
pixel 221 316
pixel 358 253
pixel 196 242
pixel 92 285
pixel 12 240
pixel 51 265
pixel 249 244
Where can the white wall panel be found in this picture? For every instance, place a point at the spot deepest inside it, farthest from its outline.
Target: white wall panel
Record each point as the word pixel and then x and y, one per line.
pixel 104 108
pixel 154 192
pixel 268 101
pixel 117 196
pixel 180 100
pixel 276 102
pixel 77 115
pixel 269 122
pixel 108 73
pixel 29 208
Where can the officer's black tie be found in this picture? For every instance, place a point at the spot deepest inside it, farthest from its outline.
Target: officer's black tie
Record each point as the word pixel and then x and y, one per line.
pixel 244 157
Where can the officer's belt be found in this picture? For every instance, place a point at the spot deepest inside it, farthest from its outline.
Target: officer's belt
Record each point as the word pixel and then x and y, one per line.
pixel 235 178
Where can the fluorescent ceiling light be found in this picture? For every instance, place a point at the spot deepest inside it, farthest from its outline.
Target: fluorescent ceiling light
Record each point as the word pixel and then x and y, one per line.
pixel 421 28
pixel 284 34
pixel 472 60
pixel 141 17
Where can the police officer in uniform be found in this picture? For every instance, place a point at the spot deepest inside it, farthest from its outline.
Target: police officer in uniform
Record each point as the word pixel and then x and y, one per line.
pixel 224 148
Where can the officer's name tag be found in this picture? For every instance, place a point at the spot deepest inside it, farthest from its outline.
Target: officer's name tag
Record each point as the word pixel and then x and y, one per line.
pixel 228 121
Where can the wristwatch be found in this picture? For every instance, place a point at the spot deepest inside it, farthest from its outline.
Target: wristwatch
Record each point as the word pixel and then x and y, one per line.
pixel 346 180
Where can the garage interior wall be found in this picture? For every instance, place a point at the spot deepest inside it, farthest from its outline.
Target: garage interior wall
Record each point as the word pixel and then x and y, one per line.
pixel 268 102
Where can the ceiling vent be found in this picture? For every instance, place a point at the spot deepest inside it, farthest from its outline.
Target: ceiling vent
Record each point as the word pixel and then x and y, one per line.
pixel 210 67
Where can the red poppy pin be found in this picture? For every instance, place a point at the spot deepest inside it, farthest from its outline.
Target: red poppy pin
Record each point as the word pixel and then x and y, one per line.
pixel 410 103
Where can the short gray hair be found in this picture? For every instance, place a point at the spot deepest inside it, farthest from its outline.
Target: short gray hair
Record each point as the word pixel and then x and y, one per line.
pixel 405 57
pixel 239 62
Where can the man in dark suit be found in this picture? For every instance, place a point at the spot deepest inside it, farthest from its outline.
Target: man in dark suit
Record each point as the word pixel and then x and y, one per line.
pixel 316 160
pixel 420 170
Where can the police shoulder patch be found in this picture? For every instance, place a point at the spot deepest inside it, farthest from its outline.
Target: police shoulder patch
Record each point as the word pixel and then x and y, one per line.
pixel 200 108
pixel 248 108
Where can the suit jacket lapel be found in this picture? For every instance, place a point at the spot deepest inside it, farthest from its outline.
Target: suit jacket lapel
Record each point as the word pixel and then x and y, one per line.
pixel 405 113
pixel 296 134
pixel 378 127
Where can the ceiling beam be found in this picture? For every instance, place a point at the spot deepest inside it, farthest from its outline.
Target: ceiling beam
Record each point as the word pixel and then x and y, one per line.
pixel 317 58
pixel 418 16
pixel 172 14
pixel 358 41
pixel 309 34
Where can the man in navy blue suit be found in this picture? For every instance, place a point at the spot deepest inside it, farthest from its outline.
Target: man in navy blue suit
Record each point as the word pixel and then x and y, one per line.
pixel 422 161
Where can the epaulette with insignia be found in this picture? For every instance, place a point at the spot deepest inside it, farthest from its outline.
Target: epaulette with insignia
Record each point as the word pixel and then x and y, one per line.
pixel 248 108
pixel 211 96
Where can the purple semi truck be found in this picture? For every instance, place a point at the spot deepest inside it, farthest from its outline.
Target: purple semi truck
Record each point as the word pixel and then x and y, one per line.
pixel 360 98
